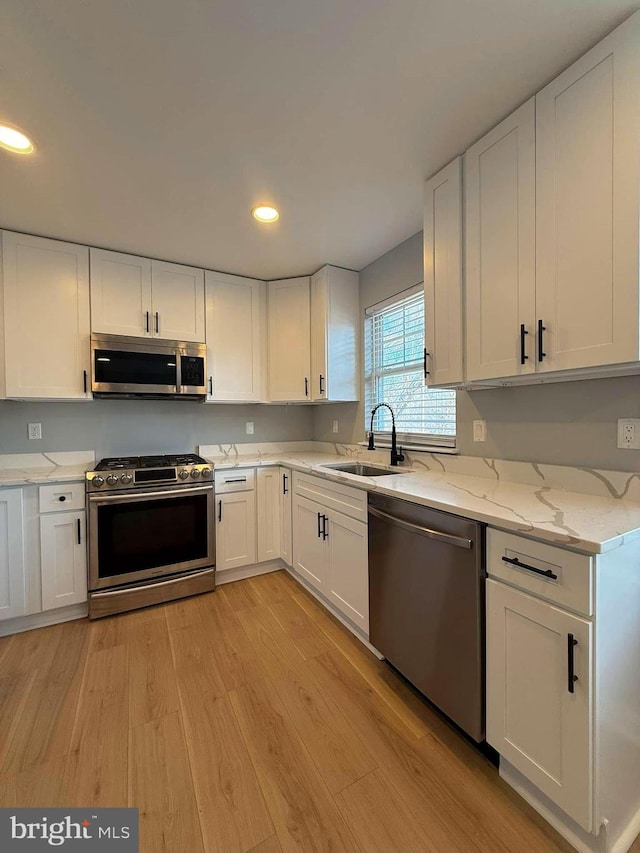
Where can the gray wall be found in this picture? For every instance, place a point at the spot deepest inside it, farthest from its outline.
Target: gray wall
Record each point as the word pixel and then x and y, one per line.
pixel 570 423
pixel 119 427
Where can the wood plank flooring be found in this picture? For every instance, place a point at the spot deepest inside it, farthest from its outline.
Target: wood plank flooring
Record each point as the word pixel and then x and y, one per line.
pixel 247 719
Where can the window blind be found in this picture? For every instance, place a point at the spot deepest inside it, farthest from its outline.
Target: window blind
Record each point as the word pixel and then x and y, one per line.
pixel 394 345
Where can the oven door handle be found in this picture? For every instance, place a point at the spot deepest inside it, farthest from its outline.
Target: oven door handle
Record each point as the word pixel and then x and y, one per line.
pixel 135 496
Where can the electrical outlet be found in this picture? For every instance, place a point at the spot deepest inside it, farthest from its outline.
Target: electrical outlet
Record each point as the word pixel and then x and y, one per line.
pixel 335 426
pixel 35 431
pixel 249 427
pixel 479 430
pixel 629 434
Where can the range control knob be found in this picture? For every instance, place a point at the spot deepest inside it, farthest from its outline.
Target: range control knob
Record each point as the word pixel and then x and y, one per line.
pixel 183 474
pixel 126 479
pixel 206 473
pixel 195 473
pixel 112 479
pixel 97 481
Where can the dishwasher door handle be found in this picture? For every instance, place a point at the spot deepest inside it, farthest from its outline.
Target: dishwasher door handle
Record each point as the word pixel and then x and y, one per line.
pixel 458 541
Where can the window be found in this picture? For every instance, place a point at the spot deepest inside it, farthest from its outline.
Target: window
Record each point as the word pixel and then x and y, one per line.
pixel 393 356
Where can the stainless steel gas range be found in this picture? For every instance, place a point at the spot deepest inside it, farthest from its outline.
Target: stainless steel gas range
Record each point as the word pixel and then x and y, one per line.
pixel 151 531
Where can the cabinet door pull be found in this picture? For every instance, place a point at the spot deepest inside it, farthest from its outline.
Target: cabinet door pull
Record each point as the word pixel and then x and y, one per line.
pixel 219 510
pixel 325 533
pixel 211 386
pixel 516 562
pixel 523 350
pixel 572 677
pixel 79 532
pixel 306 386
pixel 62 498
pixel 426 372
pixel 84 380
pixel 541 329
pixel 284 484
pixel 147 323
pixel 235 480
pixel 321 384
pixel 157 322
pixel 319 525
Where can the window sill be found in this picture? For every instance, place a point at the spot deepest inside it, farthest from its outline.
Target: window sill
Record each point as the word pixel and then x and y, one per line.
pixel 414 448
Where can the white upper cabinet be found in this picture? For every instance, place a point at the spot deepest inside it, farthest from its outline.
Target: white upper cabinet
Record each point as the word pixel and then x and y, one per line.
pixel 500 247
pixel 335 323
pixel 120 294
pixel 289 340
pixel 236 338
pixel 443 276
pixel 177 297
pixel 45 302
pixel 588 172
pixel 143 298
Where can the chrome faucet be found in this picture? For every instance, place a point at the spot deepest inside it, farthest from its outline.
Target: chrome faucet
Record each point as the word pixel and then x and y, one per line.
pixel 396 453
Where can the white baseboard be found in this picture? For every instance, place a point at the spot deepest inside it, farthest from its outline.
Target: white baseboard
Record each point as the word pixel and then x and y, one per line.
pixel 42 620
pixel 334 611
pixel 252 571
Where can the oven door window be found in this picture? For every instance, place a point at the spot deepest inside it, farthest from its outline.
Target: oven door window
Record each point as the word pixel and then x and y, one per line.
pixel 114 367
pixel 152 534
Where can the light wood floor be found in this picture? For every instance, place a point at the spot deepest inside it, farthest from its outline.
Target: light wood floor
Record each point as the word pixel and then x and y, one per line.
pixel 246 719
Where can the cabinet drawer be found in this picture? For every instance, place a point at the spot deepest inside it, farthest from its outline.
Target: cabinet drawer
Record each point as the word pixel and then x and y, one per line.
pixel 572 586
pixel 346 499
pixel 61 497
pixel 235 480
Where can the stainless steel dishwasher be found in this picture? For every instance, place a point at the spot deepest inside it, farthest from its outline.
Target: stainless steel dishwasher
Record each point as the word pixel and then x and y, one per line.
pixel 426 604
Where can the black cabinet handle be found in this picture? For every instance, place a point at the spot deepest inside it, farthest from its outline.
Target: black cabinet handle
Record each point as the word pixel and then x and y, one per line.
pixel 541 329
pixel 157 322
pixel 325 534
pixel 147 321
pixel 219 510
pixel 84 380
pixel 306 386
pixel 284 484
pixel 571 676
pixel 523 350
pixel 211 386
pixel 319 525
pixel 516 562
pixel 79 532
pixel 62 498
pixel 321 384
pixel 426 372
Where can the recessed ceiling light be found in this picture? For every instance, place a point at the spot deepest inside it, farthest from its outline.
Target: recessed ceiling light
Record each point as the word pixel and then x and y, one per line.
pixel 265 213
pixel 14 140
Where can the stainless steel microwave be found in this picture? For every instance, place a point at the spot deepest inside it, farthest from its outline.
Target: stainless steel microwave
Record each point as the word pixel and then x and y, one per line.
pixel 127 367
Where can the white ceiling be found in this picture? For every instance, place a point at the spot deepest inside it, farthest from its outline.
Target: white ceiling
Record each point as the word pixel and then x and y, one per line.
pixel 159 124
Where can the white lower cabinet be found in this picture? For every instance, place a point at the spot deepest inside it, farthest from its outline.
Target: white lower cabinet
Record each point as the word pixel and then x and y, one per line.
pixel 330 547
pixel 538 718
pixel 63 559
pixel 235 530
pixel 268 513
pixel 12 563
pixel 286 540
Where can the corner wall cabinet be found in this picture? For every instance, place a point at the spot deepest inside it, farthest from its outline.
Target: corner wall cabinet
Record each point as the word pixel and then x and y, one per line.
pixel 289 340
pixel 44 332
pixel 335 338
pixel 563 637
pixel 443 362
pixel 146 298
pixel 330 544
pixel 236 330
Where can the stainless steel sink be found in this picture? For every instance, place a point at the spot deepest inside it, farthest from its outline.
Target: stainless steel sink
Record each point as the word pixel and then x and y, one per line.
pixel 363 470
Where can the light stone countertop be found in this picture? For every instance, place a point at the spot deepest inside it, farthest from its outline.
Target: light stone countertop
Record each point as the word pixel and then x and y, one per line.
pixel 20 469
pixel 584 522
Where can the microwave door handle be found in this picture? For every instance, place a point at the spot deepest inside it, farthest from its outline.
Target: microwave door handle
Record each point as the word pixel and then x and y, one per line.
pixel 178 373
